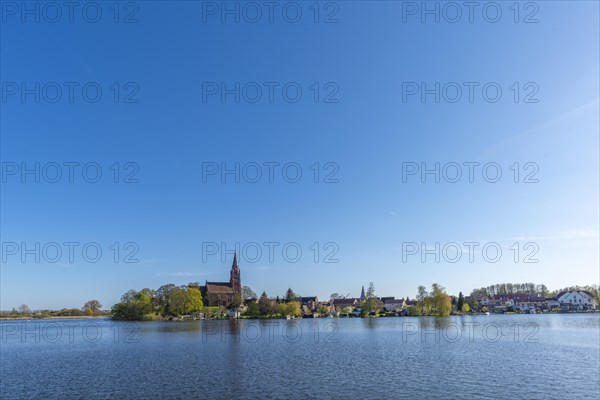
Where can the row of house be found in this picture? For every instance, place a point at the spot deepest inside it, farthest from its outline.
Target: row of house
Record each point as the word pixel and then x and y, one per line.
pixel 224 294
pixel 347 305
pixel 353 304
pixel 574 300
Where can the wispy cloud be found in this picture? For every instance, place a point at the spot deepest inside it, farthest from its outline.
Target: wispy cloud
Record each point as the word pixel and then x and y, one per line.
pixel 570 234
pixel 544 126
pixel 180 274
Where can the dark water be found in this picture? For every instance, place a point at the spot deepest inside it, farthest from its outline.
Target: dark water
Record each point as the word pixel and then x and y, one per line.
pixel 482 357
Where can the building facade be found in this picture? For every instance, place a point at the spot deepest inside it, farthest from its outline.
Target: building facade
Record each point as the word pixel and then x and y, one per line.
pixel 224 293
pixel 576 300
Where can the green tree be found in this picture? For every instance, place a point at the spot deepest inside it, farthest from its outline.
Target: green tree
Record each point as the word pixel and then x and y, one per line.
pixel 129 296
pixel 237 301
pixel 194 302
pixel 177 301
pixel 264 304
pixel 120 311
pixel 473 299
pixel 253 310
pixel 370 290
pixel 92 307
pixel 282 308
pixel 248 293
pixel 460 301
pixel 442 305
pixel 371 305
pixel 161 301
pixel 134 305
pixel 293 308
pixel 413 311
pixel 421 298
pixel 144 301
pixel 290 295
pixel 594 291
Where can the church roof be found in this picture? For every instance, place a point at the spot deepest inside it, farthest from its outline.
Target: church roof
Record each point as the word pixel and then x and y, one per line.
pixel 345 302
pixel 218 287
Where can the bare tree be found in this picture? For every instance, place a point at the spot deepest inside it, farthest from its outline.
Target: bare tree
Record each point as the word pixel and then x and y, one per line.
pixel 24 309
pixel 93 306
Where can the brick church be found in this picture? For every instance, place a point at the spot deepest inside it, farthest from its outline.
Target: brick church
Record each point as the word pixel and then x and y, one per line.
pixel 223 293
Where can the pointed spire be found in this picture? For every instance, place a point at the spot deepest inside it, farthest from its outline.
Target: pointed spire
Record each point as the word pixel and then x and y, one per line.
pixel 235 263
pixel 362 293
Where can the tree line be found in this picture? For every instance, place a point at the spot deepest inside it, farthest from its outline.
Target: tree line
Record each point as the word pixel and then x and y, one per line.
pixel 512 288
pixel 173 301
pixel 167 301
pixel 91 308
pixel 434 302
pixel 531 289
pixel 274 308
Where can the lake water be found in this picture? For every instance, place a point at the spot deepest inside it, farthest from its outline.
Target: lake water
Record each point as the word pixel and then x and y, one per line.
pixel 479 357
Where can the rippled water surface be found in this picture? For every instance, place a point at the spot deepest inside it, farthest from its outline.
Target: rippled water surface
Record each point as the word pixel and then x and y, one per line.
pixel 519 356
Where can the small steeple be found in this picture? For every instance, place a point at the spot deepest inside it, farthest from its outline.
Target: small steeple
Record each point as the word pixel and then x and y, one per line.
pixel 235 262
pixel 362 293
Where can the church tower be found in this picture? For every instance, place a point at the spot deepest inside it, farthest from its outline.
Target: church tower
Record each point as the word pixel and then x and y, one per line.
pixel 235 279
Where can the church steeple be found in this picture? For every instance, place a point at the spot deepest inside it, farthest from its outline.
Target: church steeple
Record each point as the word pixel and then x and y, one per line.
pixel 235 280
pixel 235 262
pixel 362 293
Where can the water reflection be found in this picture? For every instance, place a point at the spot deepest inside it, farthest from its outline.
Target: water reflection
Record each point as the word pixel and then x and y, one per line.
pixel 372 357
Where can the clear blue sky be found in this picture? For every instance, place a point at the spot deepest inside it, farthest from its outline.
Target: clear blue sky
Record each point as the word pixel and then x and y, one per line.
pixel 368 133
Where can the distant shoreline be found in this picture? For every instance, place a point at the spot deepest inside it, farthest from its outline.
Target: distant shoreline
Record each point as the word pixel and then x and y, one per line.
pixel 53 317
pixel 250 318
pixel 67 317
pixel 353 317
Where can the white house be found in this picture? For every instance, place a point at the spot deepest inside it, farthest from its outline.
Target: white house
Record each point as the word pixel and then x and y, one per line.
pixel 527 306
pixel 484 301
pixel 576 300
pixel 392 304
pixel 552 303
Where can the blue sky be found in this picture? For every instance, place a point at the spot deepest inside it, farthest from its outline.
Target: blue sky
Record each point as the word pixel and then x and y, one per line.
pixel 170 57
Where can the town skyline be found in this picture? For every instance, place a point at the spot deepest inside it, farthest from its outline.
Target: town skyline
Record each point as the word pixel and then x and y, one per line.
pixel 299 200
pixel 359 167
pixel 238 270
